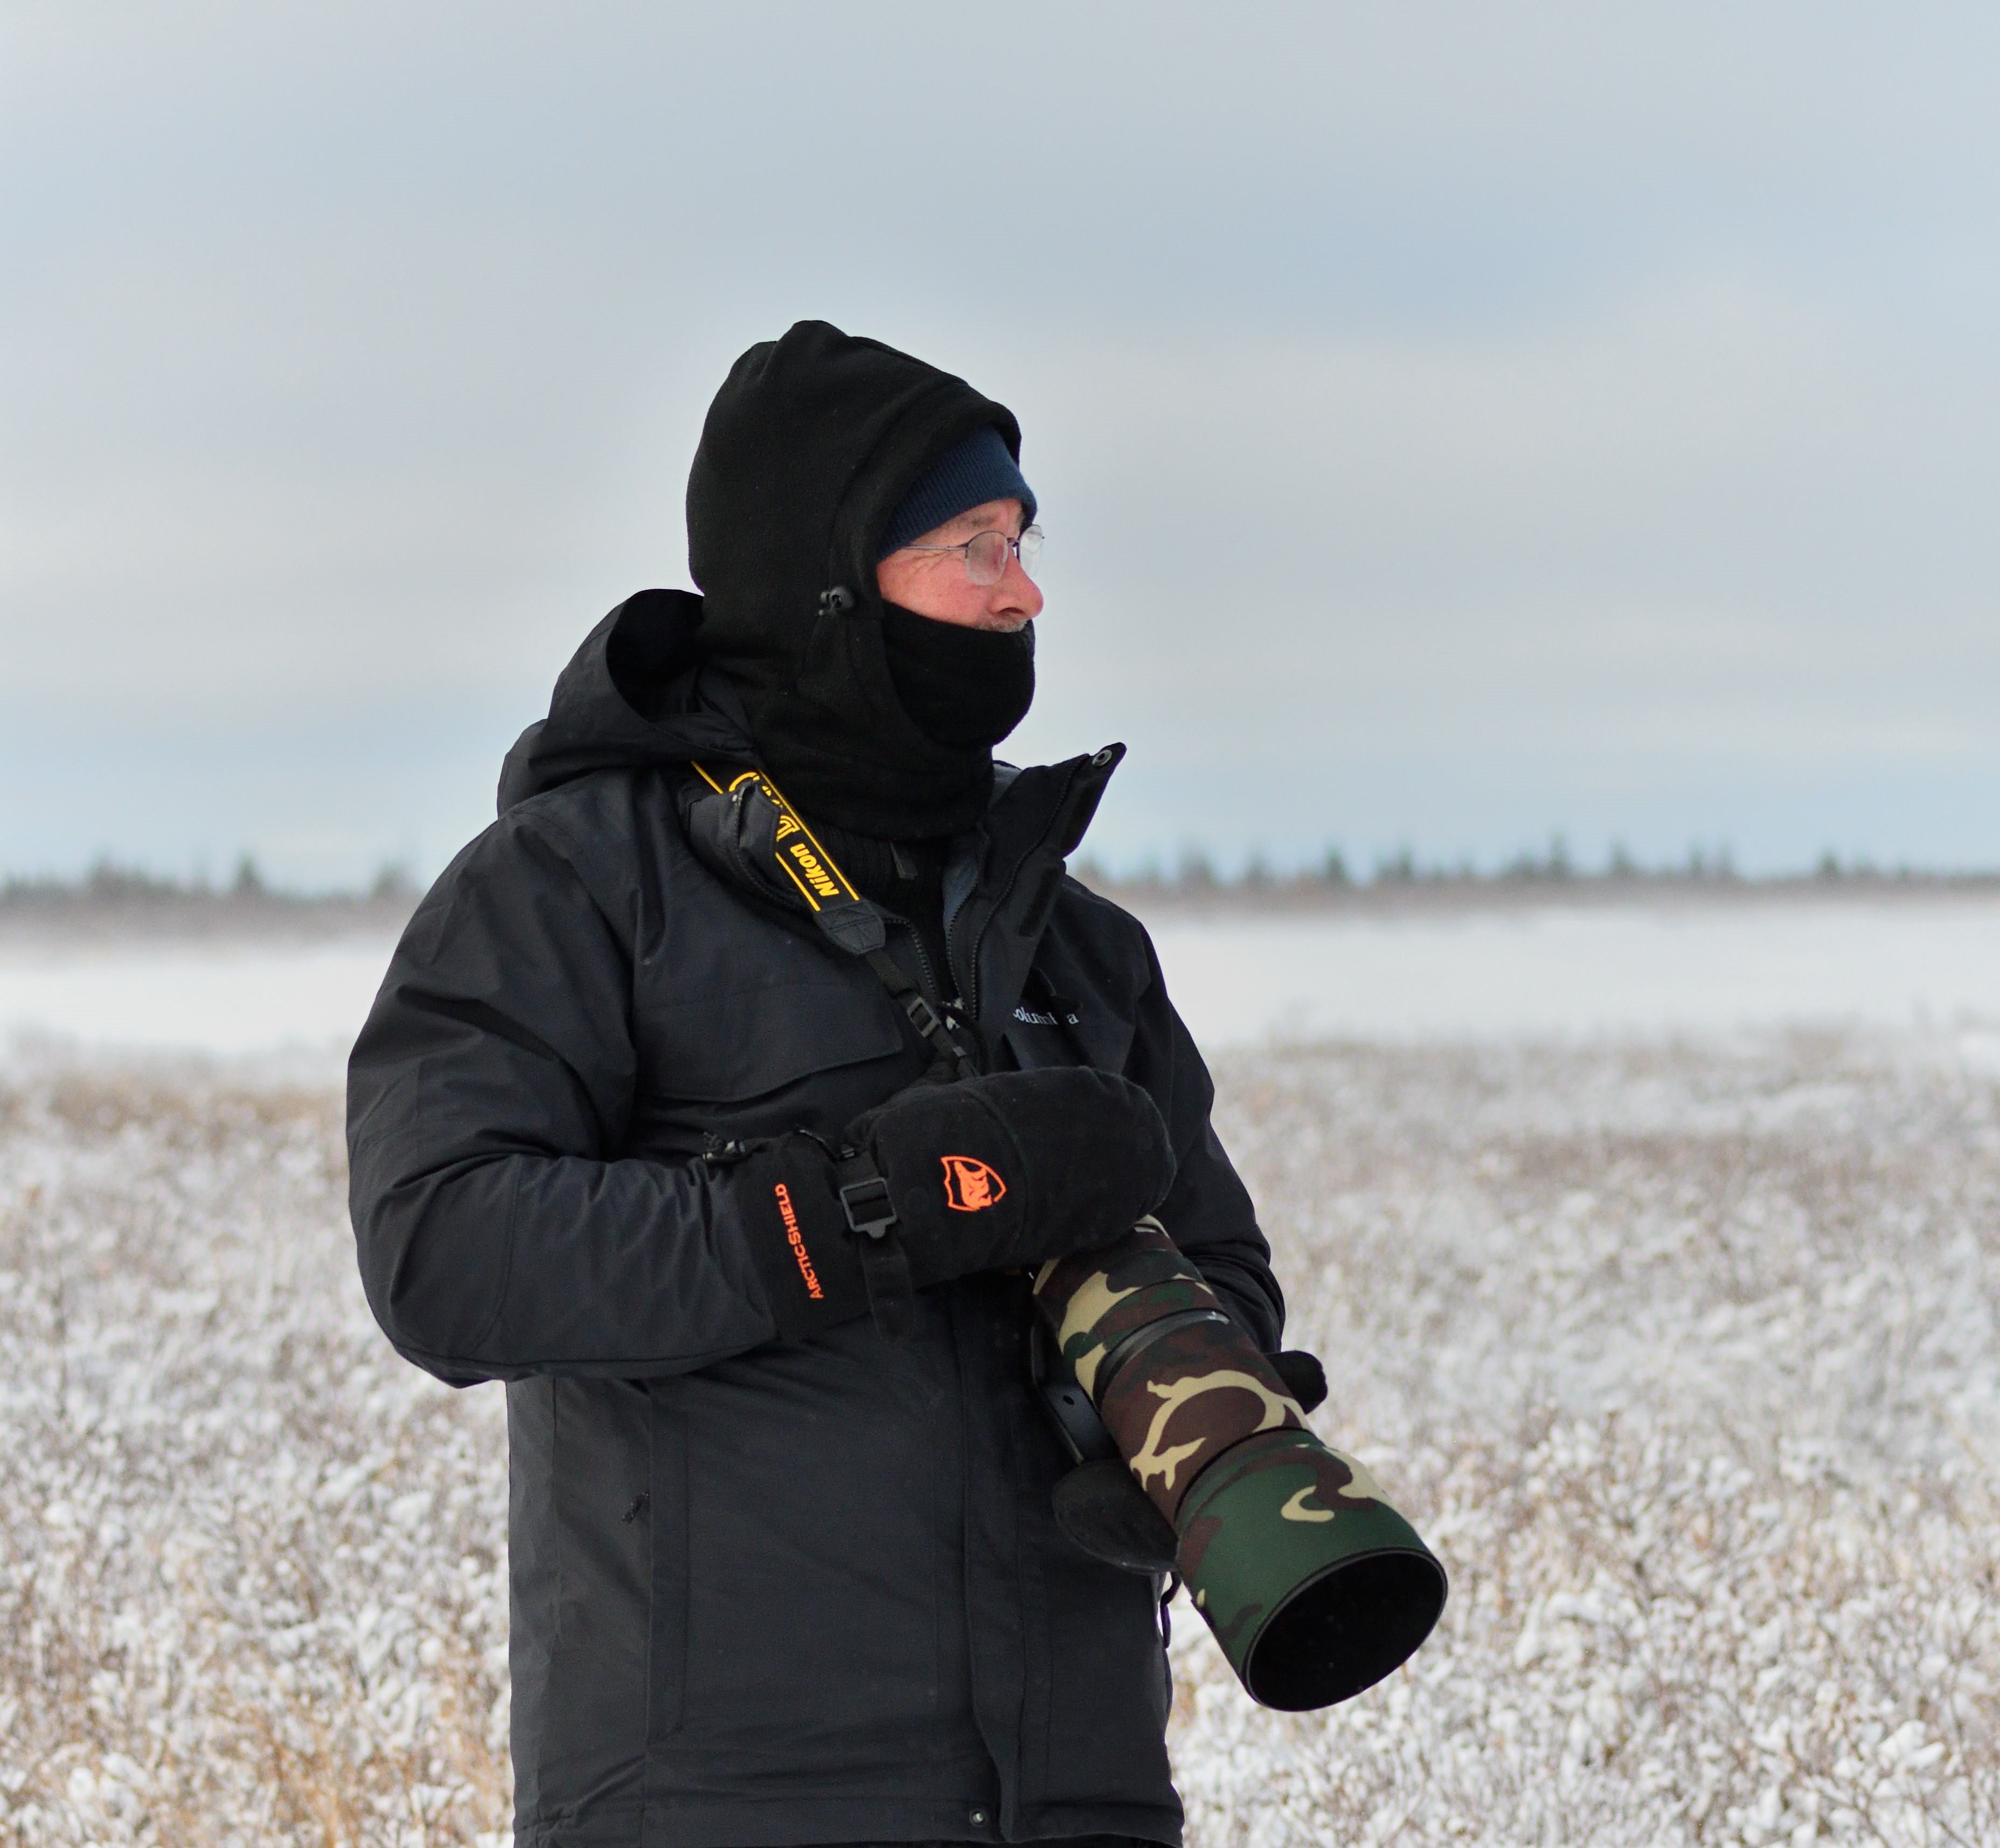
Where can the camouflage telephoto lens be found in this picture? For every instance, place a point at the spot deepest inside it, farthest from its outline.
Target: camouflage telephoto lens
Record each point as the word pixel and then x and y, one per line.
pixel 1314 1585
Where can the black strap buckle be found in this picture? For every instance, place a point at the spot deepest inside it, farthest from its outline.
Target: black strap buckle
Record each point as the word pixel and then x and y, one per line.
pixel 942 1030
pixel 867 1207
pixel 885 1265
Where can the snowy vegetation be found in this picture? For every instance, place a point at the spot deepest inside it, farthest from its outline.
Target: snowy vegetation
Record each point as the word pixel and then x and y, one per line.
pixel 1686 1360
pixel 251 1565
pixel 1686 1363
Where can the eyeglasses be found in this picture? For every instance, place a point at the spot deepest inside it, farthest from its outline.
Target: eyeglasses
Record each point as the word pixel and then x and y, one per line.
pixel 986 554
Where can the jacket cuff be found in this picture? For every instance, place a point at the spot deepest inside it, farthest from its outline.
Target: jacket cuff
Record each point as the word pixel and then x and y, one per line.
pixel 805 1251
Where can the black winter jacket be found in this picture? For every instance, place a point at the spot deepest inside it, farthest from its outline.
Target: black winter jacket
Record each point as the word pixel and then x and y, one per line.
pixel 763 1593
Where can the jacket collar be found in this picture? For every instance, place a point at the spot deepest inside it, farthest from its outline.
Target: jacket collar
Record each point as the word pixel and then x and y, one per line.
pixel 1001 888
pixel 1000 884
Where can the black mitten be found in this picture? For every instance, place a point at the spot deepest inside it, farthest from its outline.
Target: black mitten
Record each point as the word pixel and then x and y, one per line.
pixel 990 1173
pixel 1009 1169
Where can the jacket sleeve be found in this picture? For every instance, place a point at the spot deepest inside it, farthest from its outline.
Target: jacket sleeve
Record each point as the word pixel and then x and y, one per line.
pixel 1209 1213
pixel 498 1235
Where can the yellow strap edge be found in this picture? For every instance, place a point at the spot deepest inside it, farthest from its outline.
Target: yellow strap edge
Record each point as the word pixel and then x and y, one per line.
pixel 805 862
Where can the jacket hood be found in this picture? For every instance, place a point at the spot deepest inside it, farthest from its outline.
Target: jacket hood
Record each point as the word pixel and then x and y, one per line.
pixel 810 446
pixel 636 693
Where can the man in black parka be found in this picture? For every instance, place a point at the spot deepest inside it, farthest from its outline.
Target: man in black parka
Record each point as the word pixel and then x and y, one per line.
pixel 653 1124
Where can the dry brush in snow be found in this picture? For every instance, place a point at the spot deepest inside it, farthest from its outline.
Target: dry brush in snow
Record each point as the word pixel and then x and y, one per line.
pixel 1686 1360
pixel 251 1565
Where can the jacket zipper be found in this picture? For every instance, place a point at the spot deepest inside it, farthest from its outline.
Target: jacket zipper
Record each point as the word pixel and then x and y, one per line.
pixel 971 987
pixel 927 977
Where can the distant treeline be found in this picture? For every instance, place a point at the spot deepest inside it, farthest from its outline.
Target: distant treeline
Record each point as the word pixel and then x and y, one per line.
pixel 1196 875
pixel 107 886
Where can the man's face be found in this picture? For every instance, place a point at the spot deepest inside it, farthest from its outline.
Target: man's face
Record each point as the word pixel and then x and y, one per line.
pixel 934 584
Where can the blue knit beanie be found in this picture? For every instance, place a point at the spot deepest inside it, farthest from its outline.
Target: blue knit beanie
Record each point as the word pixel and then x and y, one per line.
pixel 967 474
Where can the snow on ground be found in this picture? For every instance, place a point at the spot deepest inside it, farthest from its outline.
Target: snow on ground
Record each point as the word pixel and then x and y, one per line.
pixel 1683 1349
pixel 251 1565
pixel 307 1000
pixel 1684 966
pixel 1672 966
pixel 1687 1362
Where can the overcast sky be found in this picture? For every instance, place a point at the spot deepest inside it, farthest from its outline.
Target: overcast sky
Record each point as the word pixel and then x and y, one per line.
pixel 1452 423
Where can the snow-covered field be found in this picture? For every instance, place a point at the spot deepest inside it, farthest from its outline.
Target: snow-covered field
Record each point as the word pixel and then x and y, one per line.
pixel 1687 1361
pixel 251 1565
pixel 1674 1322
pixel 1683 966
pixel 301 1002
pixel 1678 965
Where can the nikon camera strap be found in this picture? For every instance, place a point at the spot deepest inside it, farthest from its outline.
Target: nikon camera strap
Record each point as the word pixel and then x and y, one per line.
pixel 850 921
pixel 845 917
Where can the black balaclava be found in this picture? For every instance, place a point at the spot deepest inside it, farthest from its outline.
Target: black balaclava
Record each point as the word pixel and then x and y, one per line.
pixel 868 716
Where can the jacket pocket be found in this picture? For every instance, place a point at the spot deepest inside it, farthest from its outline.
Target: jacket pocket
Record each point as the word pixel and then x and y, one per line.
pixel 729 1047
pixel 823 1545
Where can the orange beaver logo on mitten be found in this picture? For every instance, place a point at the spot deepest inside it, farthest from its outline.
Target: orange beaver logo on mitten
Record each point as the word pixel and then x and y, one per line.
pixel 970 1185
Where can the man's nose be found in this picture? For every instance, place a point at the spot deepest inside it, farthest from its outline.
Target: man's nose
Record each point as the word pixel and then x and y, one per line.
pixel 1016 590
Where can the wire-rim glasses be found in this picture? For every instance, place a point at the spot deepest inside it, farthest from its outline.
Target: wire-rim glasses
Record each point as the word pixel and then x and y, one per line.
pixel 986 554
